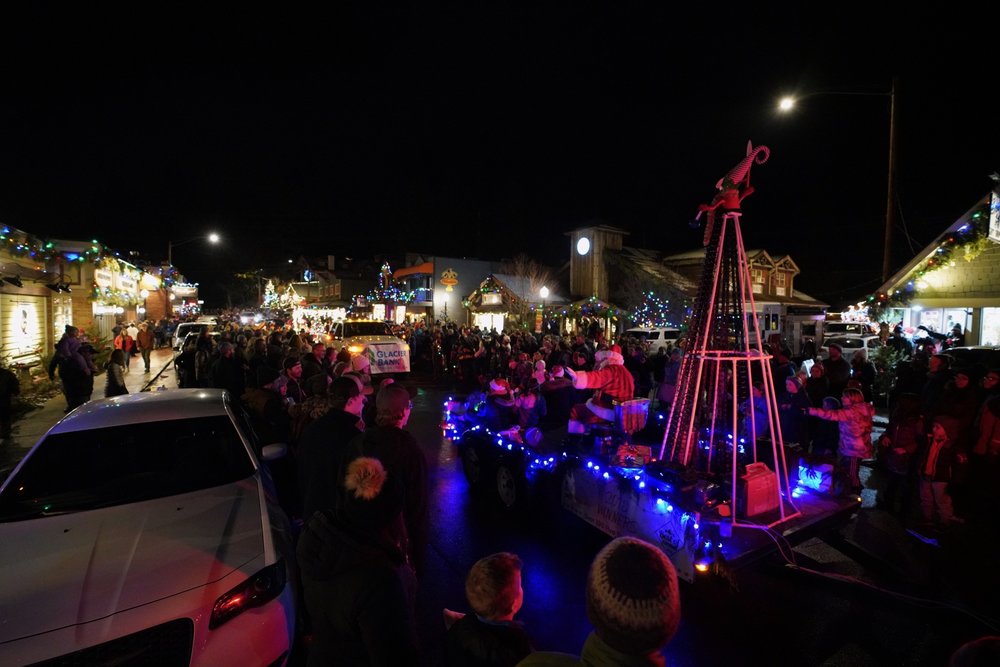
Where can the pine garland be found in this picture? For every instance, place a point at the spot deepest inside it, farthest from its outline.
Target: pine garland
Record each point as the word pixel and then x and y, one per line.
pixel 967 242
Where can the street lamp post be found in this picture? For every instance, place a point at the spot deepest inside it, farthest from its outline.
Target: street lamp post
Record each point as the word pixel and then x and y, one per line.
pixel 145 295
pixel 786 104
pixel 544 293
pixel 211 238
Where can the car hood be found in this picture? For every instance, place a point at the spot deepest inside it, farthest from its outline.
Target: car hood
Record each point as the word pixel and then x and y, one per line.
pixel 68 569
pixel 373 339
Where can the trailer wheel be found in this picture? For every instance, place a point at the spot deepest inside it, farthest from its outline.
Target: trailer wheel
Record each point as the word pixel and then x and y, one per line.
pixel 472 465
pixel 510 486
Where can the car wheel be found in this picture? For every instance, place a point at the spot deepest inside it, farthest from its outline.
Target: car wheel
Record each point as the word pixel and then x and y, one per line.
pixel 509 486
pixel 472 465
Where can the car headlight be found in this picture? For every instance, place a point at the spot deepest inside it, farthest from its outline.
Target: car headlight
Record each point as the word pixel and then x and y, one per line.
pixel 355 349
pixel 256 591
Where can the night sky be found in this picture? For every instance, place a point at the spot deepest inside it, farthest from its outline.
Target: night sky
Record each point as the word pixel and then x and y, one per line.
pixel 491 131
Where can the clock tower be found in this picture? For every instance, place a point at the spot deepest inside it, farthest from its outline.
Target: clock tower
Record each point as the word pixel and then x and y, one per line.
pixel 588 274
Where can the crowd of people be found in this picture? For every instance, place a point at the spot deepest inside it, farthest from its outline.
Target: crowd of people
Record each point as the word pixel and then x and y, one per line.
pixel 360 483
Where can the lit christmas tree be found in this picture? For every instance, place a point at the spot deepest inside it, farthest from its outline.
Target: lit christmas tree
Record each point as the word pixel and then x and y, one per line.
pixel 653 311
pixel 270 295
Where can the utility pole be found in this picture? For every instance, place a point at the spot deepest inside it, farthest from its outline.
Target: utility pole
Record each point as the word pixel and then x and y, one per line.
pixel 890 201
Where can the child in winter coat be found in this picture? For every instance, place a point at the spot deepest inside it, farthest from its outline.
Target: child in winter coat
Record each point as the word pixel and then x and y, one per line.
pixel 489 637
pixel 855 421
pixel 934 471
pixel 897 449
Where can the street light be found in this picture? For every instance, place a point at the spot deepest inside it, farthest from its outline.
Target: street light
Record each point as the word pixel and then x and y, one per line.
pixel 544 293
pixel 787 103
pixel 145 295
pixel 211 238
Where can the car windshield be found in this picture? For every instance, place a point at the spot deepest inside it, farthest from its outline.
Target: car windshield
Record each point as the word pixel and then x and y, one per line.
pixel 848 343
pixel 846 328
pixel 352 329
pixel 84 470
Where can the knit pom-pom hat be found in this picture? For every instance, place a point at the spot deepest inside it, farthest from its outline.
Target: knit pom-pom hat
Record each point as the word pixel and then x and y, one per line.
pixel 373 499
pixel 632 596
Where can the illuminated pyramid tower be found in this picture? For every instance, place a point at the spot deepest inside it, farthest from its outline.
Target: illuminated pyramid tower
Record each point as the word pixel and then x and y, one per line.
pixel 715 416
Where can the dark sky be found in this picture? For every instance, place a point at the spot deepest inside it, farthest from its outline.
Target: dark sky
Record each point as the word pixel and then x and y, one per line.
pixel 491 131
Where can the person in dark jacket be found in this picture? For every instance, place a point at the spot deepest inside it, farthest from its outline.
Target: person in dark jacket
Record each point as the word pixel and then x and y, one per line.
pixel 358 587
pixel 792 405
pixel 115 376
pixel 10 387
pixel 399 453
pixel 73 368
pixel 837 370
pixel 490 637
pixel 227 372
pixel 323 443
pixel 559 396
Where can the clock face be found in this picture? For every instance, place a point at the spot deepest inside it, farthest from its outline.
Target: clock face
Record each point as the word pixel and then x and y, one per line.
pixel 583 245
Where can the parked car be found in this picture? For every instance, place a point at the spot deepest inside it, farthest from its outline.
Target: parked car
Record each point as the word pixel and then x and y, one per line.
pixel 985 357
pixel 851 344
pixel 143 529
pixel 655 337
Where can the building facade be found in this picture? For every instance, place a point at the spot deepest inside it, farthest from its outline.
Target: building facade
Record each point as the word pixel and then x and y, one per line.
pixel 955 280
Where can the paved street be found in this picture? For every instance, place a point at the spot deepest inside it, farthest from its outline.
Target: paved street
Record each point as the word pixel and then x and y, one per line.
pixel 770 613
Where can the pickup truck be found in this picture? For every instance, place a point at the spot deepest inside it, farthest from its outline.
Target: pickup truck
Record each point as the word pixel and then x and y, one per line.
pixel 385 352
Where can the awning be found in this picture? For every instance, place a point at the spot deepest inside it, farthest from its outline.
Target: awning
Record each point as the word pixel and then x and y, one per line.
pixel 427 268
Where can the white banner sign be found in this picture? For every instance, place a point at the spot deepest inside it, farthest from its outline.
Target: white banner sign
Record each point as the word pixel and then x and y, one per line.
pixel 388 358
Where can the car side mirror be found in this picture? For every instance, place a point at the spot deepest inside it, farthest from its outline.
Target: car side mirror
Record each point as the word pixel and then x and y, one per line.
pixel 274 452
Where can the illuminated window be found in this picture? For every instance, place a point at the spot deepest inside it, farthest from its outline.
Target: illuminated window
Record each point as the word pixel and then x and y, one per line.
pixel 779 283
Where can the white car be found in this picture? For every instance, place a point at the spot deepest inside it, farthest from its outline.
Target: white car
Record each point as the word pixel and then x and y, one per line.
pixel 655 337
pixel 831 329
pixel 851 344
pixel 143 529
pixel 373 339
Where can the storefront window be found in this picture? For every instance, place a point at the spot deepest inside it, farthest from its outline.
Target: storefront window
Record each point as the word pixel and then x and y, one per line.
pixel 930 318
pixel 62 314
pixel 487 321
pixel 990 334
pixel 953 316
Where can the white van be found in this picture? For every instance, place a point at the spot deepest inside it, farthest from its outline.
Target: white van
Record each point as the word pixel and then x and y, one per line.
pixel 184 328
pixel 655 337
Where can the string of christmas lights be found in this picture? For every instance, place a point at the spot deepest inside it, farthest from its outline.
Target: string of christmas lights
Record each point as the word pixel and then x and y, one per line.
pixel 967 242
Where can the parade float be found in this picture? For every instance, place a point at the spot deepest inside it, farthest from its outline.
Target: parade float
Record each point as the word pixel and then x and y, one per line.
pixel 718 489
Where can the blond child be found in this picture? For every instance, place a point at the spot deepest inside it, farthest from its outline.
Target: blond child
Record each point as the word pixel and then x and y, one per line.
pixel 855 422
